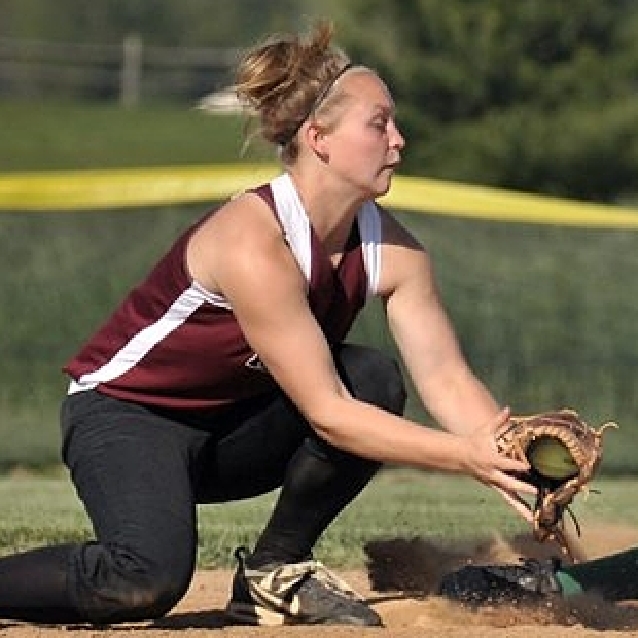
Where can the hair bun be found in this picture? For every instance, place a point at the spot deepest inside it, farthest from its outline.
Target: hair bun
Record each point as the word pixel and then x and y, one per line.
pixel 281 79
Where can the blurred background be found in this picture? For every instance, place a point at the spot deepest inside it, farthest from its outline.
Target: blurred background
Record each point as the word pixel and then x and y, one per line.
pixel 535 96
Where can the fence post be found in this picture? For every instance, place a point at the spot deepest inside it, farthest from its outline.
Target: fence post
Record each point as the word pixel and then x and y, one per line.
pixel 131 75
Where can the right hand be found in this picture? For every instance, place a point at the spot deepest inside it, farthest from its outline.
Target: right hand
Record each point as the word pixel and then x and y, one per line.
pixel 484 462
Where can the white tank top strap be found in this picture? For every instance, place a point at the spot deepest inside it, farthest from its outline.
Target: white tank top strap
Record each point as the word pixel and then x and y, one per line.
pixel 297 231
pixel 369 220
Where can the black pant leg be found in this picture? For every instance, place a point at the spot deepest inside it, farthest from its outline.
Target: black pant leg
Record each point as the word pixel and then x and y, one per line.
pixel 321 480
pixel 130 469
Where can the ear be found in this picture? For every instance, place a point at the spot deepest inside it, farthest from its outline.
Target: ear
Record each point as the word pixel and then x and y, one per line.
pixel 317 140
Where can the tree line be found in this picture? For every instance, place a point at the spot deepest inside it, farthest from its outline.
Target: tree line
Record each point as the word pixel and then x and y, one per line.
pixel 535 95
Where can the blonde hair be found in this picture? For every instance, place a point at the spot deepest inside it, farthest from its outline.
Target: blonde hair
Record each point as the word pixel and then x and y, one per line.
pixel 285 80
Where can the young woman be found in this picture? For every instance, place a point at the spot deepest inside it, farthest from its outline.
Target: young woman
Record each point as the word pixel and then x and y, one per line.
pixel 225 373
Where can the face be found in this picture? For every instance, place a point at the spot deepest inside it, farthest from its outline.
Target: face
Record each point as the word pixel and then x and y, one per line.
pixel 363 145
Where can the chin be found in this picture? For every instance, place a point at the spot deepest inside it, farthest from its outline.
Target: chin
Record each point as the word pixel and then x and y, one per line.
pixel 377 187
pixel 383 186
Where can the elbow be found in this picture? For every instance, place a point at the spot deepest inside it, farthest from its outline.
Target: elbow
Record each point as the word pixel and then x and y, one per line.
pixel 328 417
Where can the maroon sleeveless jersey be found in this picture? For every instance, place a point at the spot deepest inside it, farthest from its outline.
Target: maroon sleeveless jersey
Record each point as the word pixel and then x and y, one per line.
pixel 173 343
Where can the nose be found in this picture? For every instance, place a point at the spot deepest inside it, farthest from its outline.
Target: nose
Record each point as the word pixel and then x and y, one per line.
pixel 396 139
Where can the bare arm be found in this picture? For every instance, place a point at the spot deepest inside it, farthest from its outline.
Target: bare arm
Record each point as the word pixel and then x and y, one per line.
pixel 448 388
pixel 250 263
pixel 453 395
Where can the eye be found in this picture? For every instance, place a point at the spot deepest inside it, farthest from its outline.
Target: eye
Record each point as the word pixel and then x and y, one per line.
pixel 380 123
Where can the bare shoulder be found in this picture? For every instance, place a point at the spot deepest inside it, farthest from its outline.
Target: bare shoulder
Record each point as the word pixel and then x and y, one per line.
pixel 240 246
pixel 395 233
pixel 243 218
pixel 404 257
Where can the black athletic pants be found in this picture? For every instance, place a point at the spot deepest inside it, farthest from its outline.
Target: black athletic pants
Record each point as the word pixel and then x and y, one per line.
pixel 140 474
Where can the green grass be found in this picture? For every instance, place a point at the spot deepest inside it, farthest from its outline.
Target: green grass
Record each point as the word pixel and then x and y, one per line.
pixel 53 135
pixel 399 504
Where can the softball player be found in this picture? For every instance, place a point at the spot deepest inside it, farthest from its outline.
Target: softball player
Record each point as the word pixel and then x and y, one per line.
pixel 226 373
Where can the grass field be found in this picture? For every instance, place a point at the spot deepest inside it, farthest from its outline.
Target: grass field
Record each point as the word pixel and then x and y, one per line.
pixel 53 135
pixel 399 504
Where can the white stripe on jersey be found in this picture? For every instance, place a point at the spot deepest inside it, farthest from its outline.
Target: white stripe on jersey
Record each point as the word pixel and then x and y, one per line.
pixel 369 221
pixel 296 226
pixel 294 220
pixel 141 344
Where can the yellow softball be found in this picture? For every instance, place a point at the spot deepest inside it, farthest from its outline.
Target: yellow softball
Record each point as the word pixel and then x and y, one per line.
pixel 549 457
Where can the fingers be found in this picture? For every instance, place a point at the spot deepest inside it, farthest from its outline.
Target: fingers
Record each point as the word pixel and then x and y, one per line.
pixel 518 504
pixel 515 466
pixel 503 416
pixel 500 420
pixel 513 484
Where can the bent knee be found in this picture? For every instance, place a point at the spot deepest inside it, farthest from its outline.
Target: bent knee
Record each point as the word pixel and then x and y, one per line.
pixel 108 589
pixel 395 394
pixel 373 376
pixel 149 600
pixel 131 602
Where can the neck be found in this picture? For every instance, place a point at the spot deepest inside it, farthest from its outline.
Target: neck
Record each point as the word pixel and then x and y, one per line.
pixel 330 208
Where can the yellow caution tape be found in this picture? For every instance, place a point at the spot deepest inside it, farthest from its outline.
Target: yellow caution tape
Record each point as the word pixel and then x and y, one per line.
pixel 488 203
pixel 136 187
pixel 125 188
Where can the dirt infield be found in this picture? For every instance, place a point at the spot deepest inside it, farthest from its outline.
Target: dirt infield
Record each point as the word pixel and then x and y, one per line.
pixel 398 582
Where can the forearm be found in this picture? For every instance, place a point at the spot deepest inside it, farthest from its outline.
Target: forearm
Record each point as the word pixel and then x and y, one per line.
pixel 447 387
pixel 373 433
pixel 367 431
pixel 459 402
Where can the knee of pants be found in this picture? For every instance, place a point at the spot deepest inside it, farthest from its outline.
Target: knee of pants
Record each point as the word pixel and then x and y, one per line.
pixel 372 376
pixel 112 585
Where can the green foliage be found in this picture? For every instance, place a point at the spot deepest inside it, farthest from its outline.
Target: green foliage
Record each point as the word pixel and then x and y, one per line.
pixel 163 22
pixel 570 154
pixel 534 95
